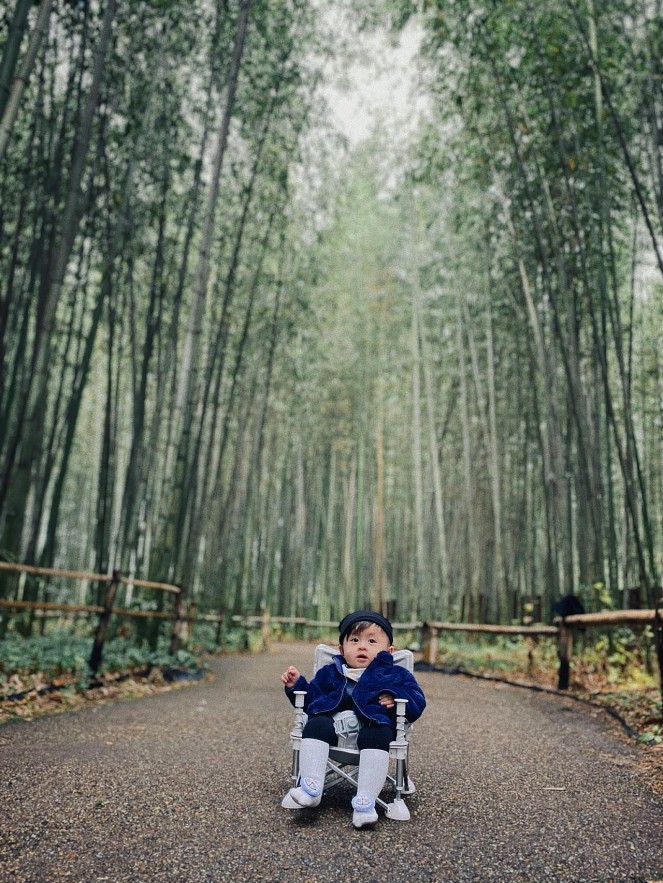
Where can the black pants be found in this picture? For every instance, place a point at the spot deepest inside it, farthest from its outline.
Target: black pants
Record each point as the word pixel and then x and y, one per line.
pixel 371 735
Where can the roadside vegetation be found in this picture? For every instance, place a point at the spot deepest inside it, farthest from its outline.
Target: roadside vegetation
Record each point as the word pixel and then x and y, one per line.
pixel 616 671
pixel 49 672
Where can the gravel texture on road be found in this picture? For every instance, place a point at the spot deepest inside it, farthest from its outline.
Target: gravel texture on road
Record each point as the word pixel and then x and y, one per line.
pixel 186 786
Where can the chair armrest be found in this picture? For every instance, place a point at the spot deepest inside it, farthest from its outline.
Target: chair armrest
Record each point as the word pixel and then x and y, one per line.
pixel 400 719
pixel 299 713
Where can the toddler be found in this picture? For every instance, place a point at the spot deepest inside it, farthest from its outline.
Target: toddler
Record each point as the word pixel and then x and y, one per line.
pixel 362 679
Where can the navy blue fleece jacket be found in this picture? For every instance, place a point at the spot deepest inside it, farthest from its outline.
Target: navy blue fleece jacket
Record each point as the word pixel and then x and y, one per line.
pixel 324 694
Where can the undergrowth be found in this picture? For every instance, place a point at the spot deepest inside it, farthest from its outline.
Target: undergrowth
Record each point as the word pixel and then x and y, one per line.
pixel 60 656
pixel 617 670
pixel 31 663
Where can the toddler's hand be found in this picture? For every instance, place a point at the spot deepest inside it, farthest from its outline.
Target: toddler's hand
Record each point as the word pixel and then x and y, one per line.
pixel 386 699
pixel 290 677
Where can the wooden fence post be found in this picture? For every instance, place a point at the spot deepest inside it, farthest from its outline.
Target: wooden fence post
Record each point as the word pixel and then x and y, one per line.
pixel 246 639
pixel 424 641
pixel 102 627
pixel 265 631
pixel 220 626
pixel 191 620
pixel 175 635
pixel 429 641
pixel 658 641
pixel 564 651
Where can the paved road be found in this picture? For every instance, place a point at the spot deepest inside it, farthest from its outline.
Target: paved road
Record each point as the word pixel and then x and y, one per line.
pixel 185 786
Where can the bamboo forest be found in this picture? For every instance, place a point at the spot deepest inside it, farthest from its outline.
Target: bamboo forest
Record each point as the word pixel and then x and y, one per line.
pixel 289 370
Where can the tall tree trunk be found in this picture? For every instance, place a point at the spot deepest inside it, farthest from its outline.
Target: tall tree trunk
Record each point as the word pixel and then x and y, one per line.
pixel 502 587
pixel 469 539
pixel 347 594
pixel 378 548
pixel 440 605
pixel 422 600
pixel 187 389
pixel 12 48
pixel 29 427
pixel 9 110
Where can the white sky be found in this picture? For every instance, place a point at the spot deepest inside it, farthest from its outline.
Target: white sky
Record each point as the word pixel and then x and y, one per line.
pixel 368 79
pixel 379 84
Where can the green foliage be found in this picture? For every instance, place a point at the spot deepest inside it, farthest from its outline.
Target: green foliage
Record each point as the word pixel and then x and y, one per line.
pixel 495 654
pixel 615 659
pixel 55 654
pixel 240 639
pixel 515 222
pixel 618 656
pixel 59 653
pixel 653 736
pixel 203 637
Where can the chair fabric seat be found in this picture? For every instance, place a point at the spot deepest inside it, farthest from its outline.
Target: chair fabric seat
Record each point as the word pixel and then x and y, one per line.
pixel 343 755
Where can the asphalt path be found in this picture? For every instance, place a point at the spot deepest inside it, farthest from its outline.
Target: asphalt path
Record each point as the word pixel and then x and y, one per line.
pixel 186 786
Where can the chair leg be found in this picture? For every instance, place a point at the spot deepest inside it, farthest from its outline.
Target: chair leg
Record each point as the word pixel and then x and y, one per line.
pixel 398 809
pixel 296 734
pixel 294 773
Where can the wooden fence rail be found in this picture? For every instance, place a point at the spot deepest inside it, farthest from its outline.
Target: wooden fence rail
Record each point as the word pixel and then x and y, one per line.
pixel 91 577
pixel 113 581
pixel 562 630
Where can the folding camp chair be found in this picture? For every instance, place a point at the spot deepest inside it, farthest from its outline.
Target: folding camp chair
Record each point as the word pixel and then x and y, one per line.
pixel 343 762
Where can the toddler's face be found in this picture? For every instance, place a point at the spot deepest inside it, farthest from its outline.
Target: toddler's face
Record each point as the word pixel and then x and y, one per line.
pixel 361 649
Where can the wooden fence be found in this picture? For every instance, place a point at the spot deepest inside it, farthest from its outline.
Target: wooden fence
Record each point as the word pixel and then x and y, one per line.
pixel 105 611
pixel 429 632
pixel 607 619
pixel 562 630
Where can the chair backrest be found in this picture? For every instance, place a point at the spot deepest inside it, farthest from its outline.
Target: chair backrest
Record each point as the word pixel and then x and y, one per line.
pixel 324 654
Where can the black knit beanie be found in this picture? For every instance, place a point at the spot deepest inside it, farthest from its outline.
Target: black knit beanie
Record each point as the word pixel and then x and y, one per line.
pixel 348 622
